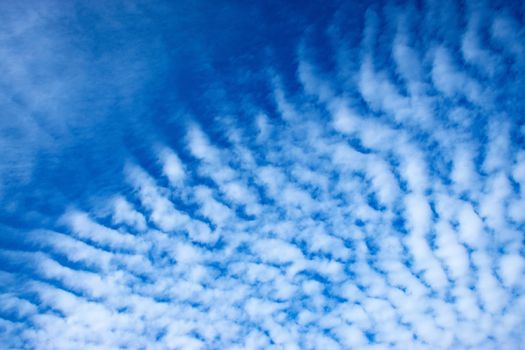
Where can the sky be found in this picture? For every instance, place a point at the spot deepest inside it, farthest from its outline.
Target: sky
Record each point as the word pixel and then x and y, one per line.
pixel 262 174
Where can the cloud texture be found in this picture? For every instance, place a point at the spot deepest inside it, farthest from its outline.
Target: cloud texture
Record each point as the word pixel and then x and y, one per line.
pixel 366 191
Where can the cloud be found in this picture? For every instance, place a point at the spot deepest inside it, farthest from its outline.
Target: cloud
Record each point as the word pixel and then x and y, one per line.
pixel 303 201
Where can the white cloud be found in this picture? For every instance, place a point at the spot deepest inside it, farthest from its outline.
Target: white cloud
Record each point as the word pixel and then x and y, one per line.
pixel 277 251
pixel 471 229
pixel 124 213
pixel 452 82
pixel 379 207
pixel 85 228
pixel 172 167
pixel 511 268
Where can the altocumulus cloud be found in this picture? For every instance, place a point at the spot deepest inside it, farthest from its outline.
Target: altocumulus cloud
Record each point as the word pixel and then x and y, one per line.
pixel 330 176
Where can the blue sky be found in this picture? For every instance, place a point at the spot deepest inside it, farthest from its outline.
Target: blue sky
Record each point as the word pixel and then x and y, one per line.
pixel 262 175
